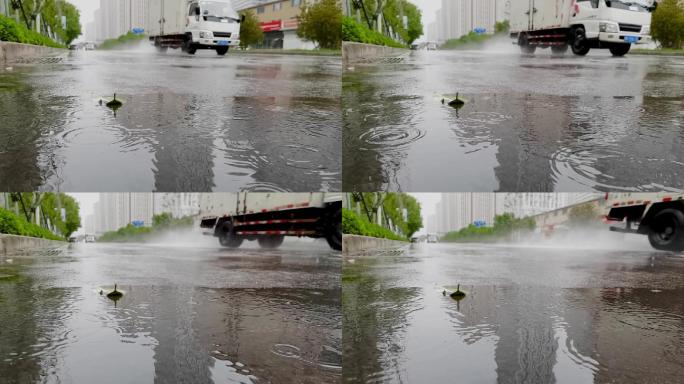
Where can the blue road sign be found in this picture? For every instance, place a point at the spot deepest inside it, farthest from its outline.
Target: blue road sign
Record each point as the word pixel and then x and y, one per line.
pixel 138 223
pixel 138 31
pixel 480 223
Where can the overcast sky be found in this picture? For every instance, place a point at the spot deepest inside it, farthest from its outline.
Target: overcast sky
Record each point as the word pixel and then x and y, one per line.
pixel 428 9
pixel 87 8
pixel 86 204
pixel 428 202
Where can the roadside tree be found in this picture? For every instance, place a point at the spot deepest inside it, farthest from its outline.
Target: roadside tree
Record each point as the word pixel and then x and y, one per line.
pixel 667 25
pixel 250 30
pixel 321 22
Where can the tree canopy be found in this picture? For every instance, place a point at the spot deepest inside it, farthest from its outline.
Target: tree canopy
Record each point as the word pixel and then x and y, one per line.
pixel 393 13
pixel 401 209
pixel 51 12
pixel 51 206
pixel 667 25
pixel 250 30
pixel 321 22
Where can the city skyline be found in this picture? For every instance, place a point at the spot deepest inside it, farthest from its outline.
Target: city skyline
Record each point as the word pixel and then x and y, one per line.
pixel 103 212
pixel 445 212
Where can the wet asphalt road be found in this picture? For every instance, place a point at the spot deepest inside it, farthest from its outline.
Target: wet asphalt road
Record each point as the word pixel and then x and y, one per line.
pixel 202 123
pixel 530 124
pixel 190 313
pixel 536 314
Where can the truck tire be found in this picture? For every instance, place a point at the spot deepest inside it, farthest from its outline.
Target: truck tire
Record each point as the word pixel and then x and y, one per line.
pixel 271 242
pixel 189 47
pixel 333 230
pixel 221 51
pixel 619 50
pixel 161 49
pixel 525 46
pixel 580 45
pixel 227 236
pixel 666 230
pixel 559 49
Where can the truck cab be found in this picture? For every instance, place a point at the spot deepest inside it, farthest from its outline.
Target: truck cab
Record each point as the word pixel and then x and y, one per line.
pixel 212 25
pixel 612 24
pixel 581 25
pixel 194 24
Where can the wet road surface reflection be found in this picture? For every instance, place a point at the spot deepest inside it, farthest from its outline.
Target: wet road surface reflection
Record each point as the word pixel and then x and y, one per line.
pixel 188 314
pixel 537 123
pixel 243 122
pixel 531 315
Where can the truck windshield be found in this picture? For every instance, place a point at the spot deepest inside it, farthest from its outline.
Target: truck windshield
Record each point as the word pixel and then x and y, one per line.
pixel 630 5
pixel 217 10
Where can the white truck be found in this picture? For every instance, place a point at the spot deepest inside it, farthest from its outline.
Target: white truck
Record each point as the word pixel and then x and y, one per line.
pixel 193 24
pixel 269 217
pixel 658 215
pixel 580 25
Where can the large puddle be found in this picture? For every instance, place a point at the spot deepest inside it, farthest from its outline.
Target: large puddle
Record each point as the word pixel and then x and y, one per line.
pixel 529 315
pixel 529 124
pixel 252 123
pixel 187 315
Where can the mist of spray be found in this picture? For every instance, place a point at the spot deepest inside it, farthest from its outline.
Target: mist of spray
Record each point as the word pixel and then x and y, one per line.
pixel 582 237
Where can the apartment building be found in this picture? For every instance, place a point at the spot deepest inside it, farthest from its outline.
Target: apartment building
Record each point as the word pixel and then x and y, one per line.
pixel 279 22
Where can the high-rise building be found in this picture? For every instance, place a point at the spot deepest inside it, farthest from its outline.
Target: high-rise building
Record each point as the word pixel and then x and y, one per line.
pixel 459 17
pixel 116 17
pixel 116 210
pixel 458 210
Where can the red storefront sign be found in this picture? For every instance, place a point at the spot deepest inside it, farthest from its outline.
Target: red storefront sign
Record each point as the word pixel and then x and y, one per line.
pixel 274 25
pixel 291 24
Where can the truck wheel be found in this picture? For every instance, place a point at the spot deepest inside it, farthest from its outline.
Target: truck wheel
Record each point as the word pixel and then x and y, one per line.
pixel 227 237
pixel 189 47
pixel 221 51
pixel 619 50
pixel 559 49
pixel 666 231
pixel 270 242
pixel 161 49
pixel 333 231
pixel 580 45
pixel 525 46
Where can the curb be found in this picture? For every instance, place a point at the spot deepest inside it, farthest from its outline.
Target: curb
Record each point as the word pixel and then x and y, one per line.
pixel 14 243
pixel 353 244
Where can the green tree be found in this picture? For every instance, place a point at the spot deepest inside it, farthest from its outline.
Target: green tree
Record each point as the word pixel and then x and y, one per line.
pixel 667 25
pixel 51 12
pixel 321 22
pixel 27 202
pixel 250 30
pixel 394 13
pixel 52 204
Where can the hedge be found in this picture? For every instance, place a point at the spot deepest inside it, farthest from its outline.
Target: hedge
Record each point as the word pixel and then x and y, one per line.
pixel 17 33
pixel 357 32
pixel 353 224
pixel 122 41
pixel 12 224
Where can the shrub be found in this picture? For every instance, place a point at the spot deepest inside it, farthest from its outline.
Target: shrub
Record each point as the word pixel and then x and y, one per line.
pixel 17 33
pixel 357 32
pixel 12 224
pixel 353 224
pixel 667 25
pixel 122 41
pixel 160 223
